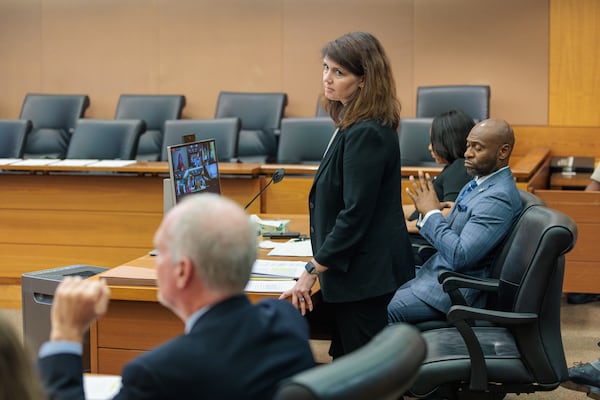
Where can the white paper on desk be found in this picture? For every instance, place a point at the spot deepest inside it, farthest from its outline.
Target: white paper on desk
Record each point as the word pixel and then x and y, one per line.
pixel 112 163
pixel 269 286
pixel 35 162
pixel 101 387
pixel 8 161
pixel 277 268
pixel 74 162
pixel 293 248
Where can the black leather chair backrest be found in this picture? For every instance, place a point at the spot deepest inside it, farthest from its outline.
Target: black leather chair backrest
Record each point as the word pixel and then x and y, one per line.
pixel 414 140
pixel 522 351
pixel 304 140
pixel 105 139
pixel 320 112
pixel 499 257
pixel 261 115
pixel 503 250
pixel 225 131
pixel 154 110
pixel 13 133
pixel 531 282
pixel 53 117
pixel 472 99
pixel 383 369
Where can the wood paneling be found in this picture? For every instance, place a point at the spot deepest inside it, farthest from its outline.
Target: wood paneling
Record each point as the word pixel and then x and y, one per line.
pixel 562 140
pixel 105 48
pixel 582 274
pixel 500 43
pixel 574 63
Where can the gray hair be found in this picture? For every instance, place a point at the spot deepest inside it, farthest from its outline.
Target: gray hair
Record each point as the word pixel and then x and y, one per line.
pixel 218 237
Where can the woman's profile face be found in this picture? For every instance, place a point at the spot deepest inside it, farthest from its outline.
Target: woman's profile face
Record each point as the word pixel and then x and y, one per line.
pixel 339 84
pixel 435 155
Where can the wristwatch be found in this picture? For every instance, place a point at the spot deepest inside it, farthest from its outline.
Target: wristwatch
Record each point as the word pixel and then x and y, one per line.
pixel 311 269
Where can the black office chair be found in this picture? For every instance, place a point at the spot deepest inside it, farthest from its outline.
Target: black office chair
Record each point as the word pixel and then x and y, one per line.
pixel 53 117
pixel 154 110
pixel 261 115
pixel 522 351
pixel 225 131
pixel 13 134
pixel 383 369
pixel 414 140
pixel 304 140
pixel 105 139
pixel 472 99
pixel 498 256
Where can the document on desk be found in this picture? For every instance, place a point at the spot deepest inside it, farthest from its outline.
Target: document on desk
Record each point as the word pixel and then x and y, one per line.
pixel 36 162
pixel 8 161
pixel 74 162
pixel 112 163
pixel 269 285
pixel 277 269
pixel 293 248
pixel 101 387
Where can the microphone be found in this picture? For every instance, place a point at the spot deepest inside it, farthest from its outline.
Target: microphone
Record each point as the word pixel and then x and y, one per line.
pixel 276 178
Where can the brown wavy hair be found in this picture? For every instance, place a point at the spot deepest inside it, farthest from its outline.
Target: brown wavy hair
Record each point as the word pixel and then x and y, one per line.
pixel 18 378
pixel 362 54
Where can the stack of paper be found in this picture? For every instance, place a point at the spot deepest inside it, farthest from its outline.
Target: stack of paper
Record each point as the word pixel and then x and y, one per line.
pixel 277 269
pixel 270 286
pixel 101 387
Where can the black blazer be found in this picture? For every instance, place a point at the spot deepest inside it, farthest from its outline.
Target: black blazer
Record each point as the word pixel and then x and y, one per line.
pixel 235 351
pixel 356 220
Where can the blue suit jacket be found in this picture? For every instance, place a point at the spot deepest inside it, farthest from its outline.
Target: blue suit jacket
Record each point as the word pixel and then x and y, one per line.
pixel 235 351
pixel 466 237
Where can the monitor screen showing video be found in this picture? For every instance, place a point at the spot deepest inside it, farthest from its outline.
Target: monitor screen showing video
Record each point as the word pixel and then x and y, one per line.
pixel 193 168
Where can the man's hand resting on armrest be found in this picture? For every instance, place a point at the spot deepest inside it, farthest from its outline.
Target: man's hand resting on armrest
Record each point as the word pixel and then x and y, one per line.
pixel 77 303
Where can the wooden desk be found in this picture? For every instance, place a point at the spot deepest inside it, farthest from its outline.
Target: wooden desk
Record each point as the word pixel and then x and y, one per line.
pixel 57 216
pixel 582 271
pixel 136 322
pixel 54 216
pixel 574 181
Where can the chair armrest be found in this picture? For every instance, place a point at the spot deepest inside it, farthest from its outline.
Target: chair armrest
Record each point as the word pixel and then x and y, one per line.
pixel 454 281
pixel 459 316
pixel 462 313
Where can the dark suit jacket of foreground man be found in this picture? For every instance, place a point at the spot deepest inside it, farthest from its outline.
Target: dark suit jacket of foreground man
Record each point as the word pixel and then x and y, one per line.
pixel 236 351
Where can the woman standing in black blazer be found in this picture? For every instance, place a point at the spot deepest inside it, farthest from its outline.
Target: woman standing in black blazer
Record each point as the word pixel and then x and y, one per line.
pixel 361 250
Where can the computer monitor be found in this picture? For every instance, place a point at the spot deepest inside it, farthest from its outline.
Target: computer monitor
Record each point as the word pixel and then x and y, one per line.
pixel 193 168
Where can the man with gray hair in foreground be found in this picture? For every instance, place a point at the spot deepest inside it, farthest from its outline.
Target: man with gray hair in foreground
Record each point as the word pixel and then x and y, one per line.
pixel 231 349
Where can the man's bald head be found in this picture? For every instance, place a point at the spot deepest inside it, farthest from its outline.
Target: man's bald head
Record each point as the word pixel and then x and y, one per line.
pixel 489 146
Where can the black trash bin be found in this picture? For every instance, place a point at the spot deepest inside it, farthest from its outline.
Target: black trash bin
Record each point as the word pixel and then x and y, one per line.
pixel 37 289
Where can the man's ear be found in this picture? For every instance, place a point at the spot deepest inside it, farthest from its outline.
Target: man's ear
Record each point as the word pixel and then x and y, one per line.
pixel 184 272
pixel 504 152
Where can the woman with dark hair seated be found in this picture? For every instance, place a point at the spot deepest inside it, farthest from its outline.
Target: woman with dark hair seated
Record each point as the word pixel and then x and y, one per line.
pixel 448 144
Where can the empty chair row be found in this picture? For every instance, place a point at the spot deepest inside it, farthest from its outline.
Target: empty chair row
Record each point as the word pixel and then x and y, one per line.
pixel 54 117
pixel 302 140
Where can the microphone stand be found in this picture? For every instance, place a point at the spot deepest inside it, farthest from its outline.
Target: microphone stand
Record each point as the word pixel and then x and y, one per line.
pixel 276 178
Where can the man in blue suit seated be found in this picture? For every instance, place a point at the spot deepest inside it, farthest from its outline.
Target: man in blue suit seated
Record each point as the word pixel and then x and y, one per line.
pixel 482 215
pixel 231 349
